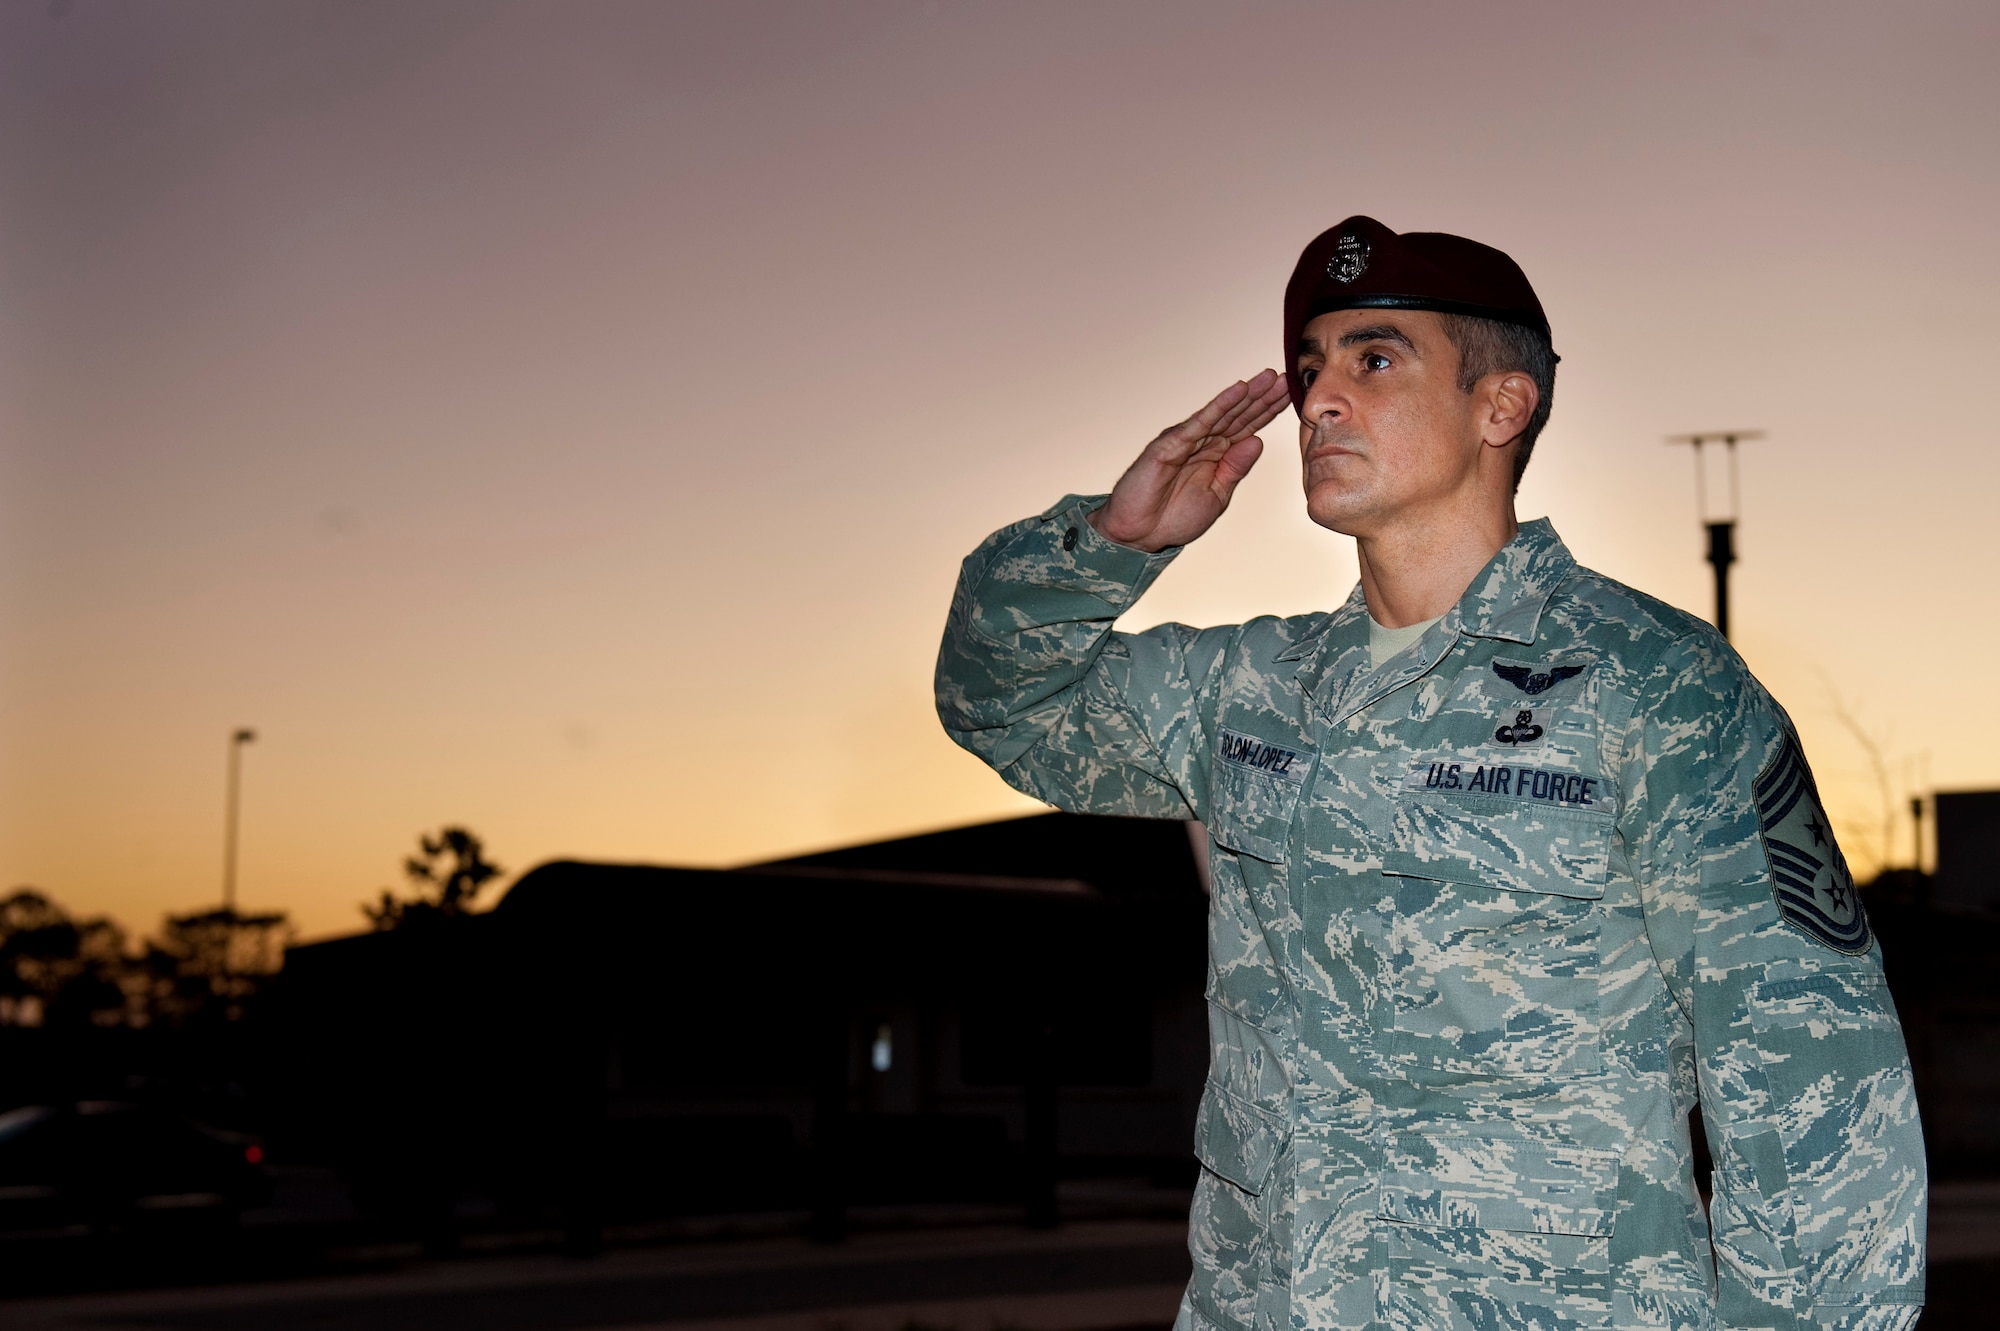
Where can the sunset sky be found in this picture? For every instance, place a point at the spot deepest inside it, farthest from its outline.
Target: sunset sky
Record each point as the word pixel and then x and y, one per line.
pixel 566 420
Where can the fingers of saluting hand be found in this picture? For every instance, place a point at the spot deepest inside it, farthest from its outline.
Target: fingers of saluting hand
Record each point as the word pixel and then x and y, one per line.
pixel 1235 463
pixel 1177 443
pixel 1268 404
pixel 1177 487
pixel 1243 408
pixel 1265 396
pixel 1214 425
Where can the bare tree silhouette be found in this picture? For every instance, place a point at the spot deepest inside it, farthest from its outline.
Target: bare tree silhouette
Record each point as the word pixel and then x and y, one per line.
pixel 58 971
pixel 444 880
pixel 207 966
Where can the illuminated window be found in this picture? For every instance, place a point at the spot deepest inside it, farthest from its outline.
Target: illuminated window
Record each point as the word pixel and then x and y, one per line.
pixel 883 1052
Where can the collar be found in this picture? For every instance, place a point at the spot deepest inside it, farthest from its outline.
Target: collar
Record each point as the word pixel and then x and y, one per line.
pixel 1508 596
pixel 1505 600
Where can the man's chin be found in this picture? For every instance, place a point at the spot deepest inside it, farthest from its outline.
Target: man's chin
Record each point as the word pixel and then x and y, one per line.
pixel 1337 508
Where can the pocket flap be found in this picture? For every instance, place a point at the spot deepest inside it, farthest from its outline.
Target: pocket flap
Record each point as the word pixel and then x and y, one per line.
pixel 1486 1182
pixel 1505 846
pixel 1252 813
pixel 1235 1139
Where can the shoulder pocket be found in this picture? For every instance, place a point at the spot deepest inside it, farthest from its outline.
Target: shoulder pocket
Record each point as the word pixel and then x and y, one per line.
pixel 1813 1021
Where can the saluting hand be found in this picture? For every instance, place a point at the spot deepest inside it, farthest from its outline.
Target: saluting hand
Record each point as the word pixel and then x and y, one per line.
pixel 1183 480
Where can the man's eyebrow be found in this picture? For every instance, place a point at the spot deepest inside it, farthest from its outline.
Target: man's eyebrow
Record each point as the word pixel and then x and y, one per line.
pixel 1310 346
pixel 1378 333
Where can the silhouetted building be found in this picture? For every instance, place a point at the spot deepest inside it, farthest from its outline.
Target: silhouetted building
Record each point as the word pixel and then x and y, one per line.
pixel 956 1016
pixel 1940 936
pixel 1968 850
pixel 960 1016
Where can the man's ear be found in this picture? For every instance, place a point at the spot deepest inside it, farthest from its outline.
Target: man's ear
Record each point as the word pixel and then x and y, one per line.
pixel 1511 399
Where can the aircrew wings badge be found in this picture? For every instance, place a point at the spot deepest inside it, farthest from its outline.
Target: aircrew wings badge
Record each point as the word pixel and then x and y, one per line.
pixel 1809 877
pixel 1531 681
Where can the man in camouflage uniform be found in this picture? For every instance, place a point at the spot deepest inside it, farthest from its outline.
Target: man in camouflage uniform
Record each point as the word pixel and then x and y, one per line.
pixel 1511 866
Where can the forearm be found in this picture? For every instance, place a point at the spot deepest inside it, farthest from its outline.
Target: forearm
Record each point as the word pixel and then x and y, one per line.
pixel 1819 1183
pixel 1031 677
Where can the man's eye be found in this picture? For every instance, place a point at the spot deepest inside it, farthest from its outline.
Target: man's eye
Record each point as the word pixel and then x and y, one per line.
pixel 1374 360
pixel 1306 377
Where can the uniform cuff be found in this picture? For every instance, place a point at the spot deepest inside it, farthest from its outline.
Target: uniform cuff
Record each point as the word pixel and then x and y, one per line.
pixel 1078 553
pixel 1878 1316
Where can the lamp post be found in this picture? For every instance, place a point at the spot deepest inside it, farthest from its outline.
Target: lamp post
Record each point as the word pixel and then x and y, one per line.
pixel 1917 833
pixel 1721 526
pixel 234 799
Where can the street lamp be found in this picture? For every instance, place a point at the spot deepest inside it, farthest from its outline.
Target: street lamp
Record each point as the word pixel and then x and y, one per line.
pixel 237 740
pixel 1721 526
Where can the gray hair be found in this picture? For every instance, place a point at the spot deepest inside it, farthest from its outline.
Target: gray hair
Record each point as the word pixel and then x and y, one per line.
pixel 1487 346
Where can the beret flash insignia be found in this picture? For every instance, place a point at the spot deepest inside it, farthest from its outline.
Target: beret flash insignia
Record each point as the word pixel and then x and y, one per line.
pixel 1350 259
pixel 1809 877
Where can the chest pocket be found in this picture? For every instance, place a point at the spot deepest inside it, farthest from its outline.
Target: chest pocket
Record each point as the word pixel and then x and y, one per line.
pixel 1253 794
pixel 1495 960
pixel 1494 842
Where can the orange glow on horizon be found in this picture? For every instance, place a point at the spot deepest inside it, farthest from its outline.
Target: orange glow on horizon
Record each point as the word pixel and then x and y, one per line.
pixel 566 421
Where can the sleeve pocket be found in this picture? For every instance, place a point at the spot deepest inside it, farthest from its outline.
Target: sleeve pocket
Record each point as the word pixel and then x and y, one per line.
pixel 1487 1182
pixel 1236 1140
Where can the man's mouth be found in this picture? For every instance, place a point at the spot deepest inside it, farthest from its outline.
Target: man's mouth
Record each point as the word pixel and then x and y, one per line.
pixel 1327 447
pixel 1335 437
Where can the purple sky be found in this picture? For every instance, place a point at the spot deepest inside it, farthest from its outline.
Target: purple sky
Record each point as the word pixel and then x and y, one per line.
pixel 566 419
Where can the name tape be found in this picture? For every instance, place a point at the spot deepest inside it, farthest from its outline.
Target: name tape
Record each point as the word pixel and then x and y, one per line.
pixel 1258 755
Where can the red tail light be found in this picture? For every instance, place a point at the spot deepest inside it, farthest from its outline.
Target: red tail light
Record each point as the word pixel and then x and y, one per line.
pixel 254 1154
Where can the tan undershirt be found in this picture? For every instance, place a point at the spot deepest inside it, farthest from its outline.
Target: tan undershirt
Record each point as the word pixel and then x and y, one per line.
pixel 1385 644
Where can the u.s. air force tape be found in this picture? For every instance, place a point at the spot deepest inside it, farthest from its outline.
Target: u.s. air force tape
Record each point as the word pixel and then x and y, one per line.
pixel 1537 785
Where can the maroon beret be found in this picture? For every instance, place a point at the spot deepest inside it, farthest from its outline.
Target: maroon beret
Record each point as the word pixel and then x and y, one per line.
pixel 1361 264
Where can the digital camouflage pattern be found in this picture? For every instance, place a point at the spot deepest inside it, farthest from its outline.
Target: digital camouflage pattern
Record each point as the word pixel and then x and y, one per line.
pixel 1485 924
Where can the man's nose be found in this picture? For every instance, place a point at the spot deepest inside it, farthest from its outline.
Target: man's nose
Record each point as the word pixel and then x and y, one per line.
pixel 1324 404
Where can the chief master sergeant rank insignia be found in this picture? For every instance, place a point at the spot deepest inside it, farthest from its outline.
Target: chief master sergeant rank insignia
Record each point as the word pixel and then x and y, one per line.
pixel 1809 876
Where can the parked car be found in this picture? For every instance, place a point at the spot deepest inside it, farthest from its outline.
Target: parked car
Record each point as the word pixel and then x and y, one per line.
pixel 104 1165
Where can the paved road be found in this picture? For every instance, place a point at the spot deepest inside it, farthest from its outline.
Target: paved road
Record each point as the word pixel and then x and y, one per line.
pixel 1965 1222
pixel 1085 1277
pixel 1122 1275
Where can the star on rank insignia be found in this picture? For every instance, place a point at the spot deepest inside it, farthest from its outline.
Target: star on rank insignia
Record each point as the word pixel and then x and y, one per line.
pixel 1809 877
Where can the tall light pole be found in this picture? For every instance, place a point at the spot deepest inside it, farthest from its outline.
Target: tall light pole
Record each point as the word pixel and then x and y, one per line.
pixel 234 799
pixel 1721 526
pixel 1917 833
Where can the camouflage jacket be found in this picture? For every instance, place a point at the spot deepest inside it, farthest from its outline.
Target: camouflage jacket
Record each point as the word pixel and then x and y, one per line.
pixel 1485 924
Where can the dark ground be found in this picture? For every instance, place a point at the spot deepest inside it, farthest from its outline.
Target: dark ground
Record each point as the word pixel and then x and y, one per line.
pixel 1117 1268
pixel 1964 1296
pixel 1088 1276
